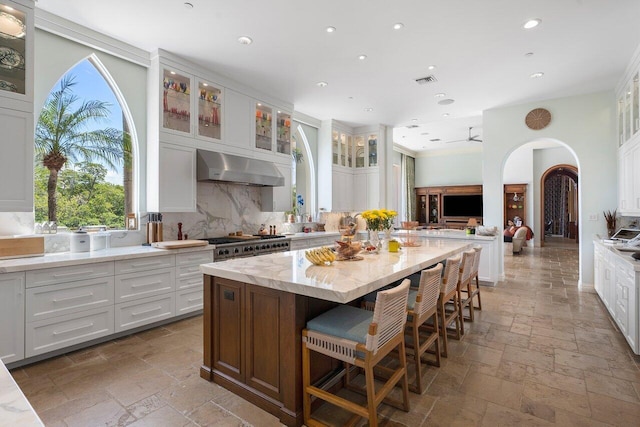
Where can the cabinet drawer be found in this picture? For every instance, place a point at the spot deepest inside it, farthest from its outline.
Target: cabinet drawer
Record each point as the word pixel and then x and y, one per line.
pixel 63 331
pixel 144 284
pixel 299 244
pixel 188 271
pixel 45 302
pixel 188 301
pixel 194 281
pixel 194 258
pixel 51 276
pixel 143 264
pixel 142 312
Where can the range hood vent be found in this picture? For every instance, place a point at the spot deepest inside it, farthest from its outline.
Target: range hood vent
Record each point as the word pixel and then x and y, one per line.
pixel 213 166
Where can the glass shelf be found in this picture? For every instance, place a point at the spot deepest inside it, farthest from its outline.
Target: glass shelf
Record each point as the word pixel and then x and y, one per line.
pixel 264 139
pixel 209 111
pixel 373 150
pixel 176 102
pixel 283 139
pixel 13 50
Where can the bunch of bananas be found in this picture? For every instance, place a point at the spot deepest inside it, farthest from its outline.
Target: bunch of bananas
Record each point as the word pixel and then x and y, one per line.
pixel 320 256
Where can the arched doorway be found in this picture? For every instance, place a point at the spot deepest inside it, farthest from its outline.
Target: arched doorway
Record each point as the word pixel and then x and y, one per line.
pixel 559 203
pixel 304 176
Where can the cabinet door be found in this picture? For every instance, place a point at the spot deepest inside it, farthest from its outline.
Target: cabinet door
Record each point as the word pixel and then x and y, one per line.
pixel 177 178
pixel 210 111
pixel 16 162
pixel 635 180
pixel 176 101
pixel 360 192
pixel 373 190
pixel 16 72
pixel 264 127
pixel 372 150
pixel 278 199
pixel 623 203
pixel 12 317
pixel 359 149
pixel 238 119
pixel 283 133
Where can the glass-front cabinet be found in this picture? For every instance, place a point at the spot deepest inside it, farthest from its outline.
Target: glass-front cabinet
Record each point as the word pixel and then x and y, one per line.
pixel 627 113
pixel 176 101
pixel 13 49
pixel 283 139
pixel 264 137
pixel 335 147
pixel 209 110
pixel 636 103
pixel 359 151
pixel 372 143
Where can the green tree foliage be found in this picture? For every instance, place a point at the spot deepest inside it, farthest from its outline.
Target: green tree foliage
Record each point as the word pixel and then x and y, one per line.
pixel 84 198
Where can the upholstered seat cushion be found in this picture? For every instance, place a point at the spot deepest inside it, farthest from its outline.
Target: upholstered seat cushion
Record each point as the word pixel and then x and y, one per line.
pixel 343 321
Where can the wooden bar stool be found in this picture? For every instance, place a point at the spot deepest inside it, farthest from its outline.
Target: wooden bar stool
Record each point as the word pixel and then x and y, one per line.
pixel 422 306
pixel 475 276
pixel 449 297
pixel 361 338
pixel 464 287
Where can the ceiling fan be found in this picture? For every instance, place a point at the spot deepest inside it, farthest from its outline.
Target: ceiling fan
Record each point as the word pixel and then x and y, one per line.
pixel 473 138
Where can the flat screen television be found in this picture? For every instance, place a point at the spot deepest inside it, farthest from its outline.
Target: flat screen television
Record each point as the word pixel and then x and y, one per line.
pixel 462 205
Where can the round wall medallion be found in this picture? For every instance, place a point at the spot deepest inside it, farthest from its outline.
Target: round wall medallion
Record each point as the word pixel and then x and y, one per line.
pixel 538 118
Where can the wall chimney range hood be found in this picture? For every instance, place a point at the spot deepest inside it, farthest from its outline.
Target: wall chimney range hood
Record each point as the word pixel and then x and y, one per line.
pixel 221 167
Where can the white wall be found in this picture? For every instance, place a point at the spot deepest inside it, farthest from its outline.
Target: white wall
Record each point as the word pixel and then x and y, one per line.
pixel 586 125
pixel 449 167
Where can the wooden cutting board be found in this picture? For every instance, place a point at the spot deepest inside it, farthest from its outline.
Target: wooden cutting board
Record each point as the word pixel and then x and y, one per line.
pixel 178 244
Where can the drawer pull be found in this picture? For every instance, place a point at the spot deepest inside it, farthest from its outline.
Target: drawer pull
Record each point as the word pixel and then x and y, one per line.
pixel 147 264
pixel 73 274
pixel 151 310
pixel 89 295
pixel 90 325
pixel 141 285
pixel 194 299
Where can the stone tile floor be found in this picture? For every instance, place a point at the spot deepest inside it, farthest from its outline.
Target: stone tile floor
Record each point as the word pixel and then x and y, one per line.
pixel 541 352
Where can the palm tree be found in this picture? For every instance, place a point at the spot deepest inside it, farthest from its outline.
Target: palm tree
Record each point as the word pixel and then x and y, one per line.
pixel 63 134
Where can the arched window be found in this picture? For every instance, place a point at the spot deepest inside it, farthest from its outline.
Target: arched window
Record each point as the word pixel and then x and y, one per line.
pixel 85 148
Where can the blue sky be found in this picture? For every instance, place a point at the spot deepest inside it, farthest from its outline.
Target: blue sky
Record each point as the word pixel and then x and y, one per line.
pixel 90 85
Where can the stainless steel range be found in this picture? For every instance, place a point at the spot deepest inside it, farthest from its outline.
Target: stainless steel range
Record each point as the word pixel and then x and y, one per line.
pixel 237 247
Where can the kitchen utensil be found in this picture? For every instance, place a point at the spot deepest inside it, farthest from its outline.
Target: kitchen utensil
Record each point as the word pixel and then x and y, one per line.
pixel 80 242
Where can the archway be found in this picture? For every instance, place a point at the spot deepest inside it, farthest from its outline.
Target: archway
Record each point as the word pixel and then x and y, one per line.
pixel 304 175
pixel 559 203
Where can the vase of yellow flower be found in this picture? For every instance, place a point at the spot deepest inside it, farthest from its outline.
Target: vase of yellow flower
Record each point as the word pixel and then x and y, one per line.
pixel 378 220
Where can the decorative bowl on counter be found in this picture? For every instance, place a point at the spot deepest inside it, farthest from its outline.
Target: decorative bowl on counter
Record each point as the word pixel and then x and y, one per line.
pixel 348 250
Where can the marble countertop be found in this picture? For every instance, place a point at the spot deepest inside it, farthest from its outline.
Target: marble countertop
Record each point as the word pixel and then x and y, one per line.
pixel 445 234
pixel 341 282
pixel 624 255
pixel 68 258
pixel 15 409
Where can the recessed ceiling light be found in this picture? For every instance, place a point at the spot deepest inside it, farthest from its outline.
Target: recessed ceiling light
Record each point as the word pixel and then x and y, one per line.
pixel 188 5
pixel 446 101
pixel 398 26
pixel 435 140
pixel 537 75
pixel 445 115
pixel 368 110
pixel 362 57
pixel 259 104
pixel 322 84
pixel 532 23
pixel 431 67
pixel 440 95
pixel 172 72
pixel 245 40
pixel 528 54
pixel 330 29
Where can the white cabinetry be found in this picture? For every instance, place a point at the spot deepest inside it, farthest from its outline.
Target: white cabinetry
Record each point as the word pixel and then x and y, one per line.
pixel 629 179
pixel 617 282
pixel 67 306
pixel 16 108
pixel 278 199
pixel 12 316
pixel 177 179
pixel 189 288
pixel 238 122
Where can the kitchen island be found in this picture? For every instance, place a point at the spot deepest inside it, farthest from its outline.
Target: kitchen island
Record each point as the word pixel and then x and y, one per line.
pixel 255 309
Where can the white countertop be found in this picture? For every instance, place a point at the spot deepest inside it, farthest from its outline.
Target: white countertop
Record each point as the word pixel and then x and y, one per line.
pixel 624 255
pixel 68 258
pixel 341 282
pixel 313 235
pixel 445 234
pixel 15 409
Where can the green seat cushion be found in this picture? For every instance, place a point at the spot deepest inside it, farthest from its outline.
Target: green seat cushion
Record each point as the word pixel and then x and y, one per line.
pixel 343 321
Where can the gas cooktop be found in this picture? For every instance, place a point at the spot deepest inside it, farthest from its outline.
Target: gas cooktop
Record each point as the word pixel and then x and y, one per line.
pixel 241 239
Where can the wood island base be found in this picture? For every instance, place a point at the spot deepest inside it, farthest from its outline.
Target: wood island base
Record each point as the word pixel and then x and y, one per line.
pixel 253 344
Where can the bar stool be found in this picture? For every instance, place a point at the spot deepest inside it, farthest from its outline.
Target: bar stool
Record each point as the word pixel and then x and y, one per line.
pixel 361 338
pixel 449 296
pixel 422 306
pixel 474 290
pixel 466 266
